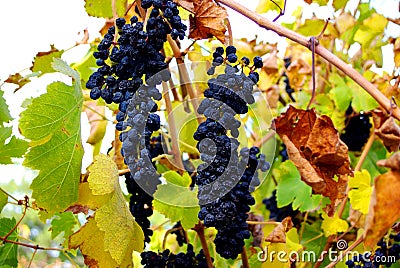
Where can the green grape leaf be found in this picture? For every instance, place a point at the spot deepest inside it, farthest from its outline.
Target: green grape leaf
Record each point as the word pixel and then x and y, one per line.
pixel 42 61
pixel 87 65
pixel 117 233
pixel 52 123
pixel 103 8
pixel 177 202
pixel 63 223
pixel 291 189
pixel 14 148
pixel 174 178
pixel 3 200
pixel 8 251
pixel 313 239
pixel 341 96
pixel 5 115
pixel 311 27
pixel 338 4
pixel 360 194
pixel 61 66
pixel 377 152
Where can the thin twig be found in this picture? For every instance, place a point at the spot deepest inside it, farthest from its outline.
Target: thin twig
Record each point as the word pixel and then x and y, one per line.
pixel 33 255
pixel 324 251
pixel 303 226
pixel 199 228
pixel 320 50
pixel 17 224
pixel 230 36
pixel 167 233
pixel 323 29
pixel 9 195
pixel 266 138
pixel 263 222
pixel 312 45
pixel 30 245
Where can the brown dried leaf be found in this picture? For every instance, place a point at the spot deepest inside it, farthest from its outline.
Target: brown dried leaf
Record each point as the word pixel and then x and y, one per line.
pixel 208 21
pixel 278 235
pixel 308 173
pixel 186 4
pixel 17 79
pixel 393 162
pixel 314 146
pixel 270 64
pixel 384 207
pixel 273 96
pixel 389 133
pixel 297 73
pixel 256 229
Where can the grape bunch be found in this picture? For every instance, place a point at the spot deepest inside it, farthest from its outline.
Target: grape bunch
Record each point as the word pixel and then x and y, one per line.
pixel 167 259
pixel 130 68
pixel 385 255
pixel 180 234
pixel 226 179
pixel 134 55
pixel 357 130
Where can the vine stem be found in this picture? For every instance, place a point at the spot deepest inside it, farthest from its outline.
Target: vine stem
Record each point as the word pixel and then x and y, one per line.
pixel 172 127
pixel 245 260
pixel 33 256
pixel 17 224
pixel 320 50
pixel 344 253
pixel 184 76
pixel 264 139
pixel 324 251
pixel 199 228
pixel 37 247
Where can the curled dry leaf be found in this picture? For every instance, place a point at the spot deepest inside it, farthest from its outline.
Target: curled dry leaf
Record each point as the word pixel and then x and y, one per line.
pixel 256 229
pixel 393 162
pixel 270 64
pixel 273 96
pixel 384 207
pixel 314 146
pixel 389 133
pixel 278 235
pixel 207 21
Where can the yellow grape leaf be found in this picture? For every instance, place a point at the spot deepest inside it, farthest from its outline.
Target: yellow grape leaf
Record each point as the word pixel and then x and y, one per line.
pixel 90 240
pixel 333 225
pixel 97 121
pixel 267 5
pixel 396 51
pixel 119 234
pixel 371 27
pixel 87 199
pixel 360 195
pixel 122 235
pixel 103 175
pixel 344 22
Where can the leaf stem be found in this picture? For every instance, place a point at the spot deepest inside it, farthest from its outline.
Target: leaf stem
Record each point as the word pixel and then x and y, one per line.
pixel 264 139
pixel 33 256
pixel 17 224
pixel 9 195
pixel 324 251
pixel 320 50
pixel 172 127
pixel 263 222
pixel 199 228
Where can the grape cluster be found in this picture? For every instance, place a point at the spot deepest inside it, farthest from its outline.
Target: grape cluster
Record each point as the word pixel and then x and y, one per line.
pixel 226 179
pixel 385 255
pixel 167 259
pixel 357 130
pixel 180 234
pixel 135 54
